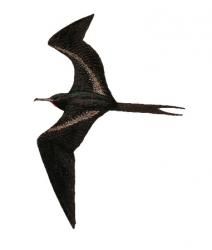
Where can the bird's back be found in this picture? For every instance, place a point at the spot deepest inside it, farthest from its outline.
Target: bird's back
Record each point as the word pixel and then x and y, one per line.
pixel 89 100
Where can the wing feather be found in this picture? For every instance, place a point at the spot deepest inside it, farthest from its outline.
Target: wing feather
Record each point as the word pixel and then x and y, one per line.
pixel 57 146
pixel 89 70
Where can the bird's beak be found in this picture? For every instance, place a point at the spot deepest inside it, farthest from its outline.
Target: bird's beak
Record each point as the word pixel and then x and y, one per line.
pixel 43 99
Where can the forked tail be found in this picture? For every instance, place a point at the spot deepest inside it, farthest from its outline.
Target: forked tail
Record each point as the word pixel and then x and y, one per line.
pixel 146 108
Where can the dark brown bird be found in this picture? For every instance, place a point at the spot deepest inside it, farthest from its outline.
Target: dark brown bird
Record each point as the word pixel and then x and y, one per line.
pixel 88 99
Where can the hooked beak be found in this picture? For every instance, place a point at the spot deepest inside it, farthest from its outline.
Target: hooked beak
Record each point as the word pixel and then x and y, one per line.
pixel 43 99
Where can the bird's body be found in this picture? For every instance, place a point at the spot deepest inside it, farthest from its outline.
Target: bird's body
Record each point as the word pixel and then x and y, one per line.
pixel 88 99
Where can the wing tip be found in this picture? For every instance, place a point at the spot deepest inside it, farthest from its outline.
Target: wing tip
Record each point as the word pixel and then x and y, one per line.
pixel 89 17
pixel 73 32
pixel 70 214
pixel 73 224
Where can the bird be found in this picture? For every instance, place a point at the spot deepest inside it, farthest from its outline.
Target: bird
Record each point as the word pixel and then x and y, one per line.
pixel 88 99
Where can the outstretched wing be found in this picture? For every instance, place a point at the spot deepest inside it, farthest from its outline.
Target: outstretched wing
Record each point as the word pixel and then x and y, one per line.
pixel 57 147
pixel 89 71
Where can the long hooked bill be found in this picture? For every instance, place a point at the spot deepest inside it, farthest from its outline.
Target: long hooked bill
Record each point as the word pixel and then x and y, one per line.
pixel 43 99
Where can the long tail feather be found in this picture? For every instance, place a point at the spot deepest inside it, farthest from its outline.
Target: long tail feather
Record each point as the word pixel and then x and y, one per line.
pixel 146 108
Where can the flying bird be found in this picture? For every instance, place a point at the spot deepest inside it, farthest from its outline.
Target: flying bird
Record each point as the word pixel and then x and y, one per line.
pixel 88 99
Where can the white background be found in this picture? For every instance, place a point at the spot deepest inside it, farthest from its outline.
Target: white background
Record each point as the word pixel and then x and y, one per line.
pixel 142 181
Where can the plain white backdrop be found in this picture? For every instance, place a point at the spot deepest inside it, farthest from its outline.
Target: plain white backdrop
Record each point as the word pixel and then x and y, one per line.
pixel 142 181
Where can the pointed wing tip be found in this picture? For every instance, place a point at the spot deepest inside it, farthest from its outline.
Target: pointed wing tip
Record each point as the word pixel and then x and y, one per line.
pixel 73 32
pixel 71 218
pixel 89 18
pixel 84 21
pixel 73 225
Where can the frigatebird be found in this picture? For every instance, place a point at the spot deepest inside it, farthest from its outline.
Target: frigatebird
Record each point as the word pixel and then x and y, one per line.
pixel 88 99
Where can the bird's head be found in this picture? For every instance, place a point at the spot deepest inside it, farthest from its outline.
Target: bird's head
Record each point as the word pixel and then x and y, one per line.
pixel 59 100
